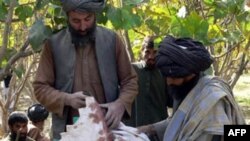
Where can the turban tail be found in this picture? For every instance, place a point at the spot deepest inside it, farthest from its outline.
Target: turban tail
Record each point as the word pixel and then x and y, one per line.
pixel 181 57
pixel 83 5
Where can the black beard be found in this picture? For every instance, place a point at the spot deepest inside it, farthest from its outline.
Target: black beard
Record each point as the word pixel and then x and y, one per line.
pixel 180 92
pixel 150 66
pixel 80 40
pixel 13 137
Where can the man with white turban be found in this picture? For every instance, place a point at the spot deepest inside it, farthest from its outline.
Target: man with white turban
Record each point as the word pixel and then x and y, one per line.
pixel 82 60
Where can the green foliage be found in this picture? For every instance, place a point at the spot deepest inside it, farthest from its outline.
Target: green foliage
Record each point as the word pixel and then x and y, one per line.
pixel 24 12
pixel 3 11
pixel 41 4
pixel 123 18
pixel 132 2
pixel 216 23
pixel 38 33
pixel 19 71
pixel 191 26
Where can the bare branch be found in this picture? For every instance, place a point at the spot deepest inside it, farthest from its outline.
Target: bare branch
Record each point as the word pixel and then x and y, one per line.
pixel 229 50
pixel 135 30
pixel 7 29
pixel 12 21
pixel 25 78
pixel 20 54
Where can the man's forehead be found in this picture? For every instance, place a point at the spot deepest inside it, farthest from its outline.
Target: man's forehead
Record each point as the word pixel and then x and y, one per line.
pixel 17 124
pixel 149 49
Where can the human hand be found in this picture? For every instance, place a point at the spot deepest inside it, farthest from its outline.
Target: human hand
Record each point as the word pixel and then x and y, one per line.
pixel 76 100
pixel 115 111
pixel 147 129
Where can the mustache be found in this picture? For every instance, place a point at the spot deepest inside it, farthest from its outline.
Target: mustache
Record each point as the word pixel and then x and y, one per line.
pixel 150 59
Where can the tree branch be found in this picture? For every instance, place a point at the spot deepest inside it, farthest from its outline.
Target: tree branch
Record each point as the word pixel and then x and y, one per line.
pixel 20 54
pixel 12 21
pixel 135 30
pixel 229 50
pixel 7 29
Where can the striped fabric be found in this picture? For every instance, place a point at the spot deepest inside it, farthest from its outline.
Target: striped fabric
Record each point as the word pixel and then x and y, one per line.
pixel 203 113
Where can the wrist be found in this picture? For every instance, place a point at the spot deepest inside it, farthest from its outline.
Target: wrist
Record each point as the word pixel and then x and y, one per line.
pixel 67 101
pixel 151 130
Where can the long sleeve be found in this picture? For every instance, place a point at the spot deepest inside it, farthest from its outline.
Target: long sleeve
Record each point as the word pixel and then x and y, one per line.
pixel 43 84
pixel 127 77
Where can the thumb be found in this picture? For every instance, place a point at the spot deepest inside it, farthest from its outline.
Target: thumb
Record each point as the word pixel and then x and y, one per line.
pixel 104 105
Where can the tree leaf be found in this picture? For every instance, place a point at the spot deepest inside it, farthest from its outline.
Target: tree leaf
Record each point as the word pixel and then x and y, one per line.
pixel 40 4
pixel 19 71
pixel 132 2
pixel 3 11
pixel 209 2
pixel 38 33
pixel 23 12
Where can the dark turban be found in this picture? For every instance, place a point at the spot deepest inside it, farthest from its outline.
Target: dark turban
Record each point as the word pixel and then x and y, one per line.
pixel 37 113
pixel 179 57
pixel 83 5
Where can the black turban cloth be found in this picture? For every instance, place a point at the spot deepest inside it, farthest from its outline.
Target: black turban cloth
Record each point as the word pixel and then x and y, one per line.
pixel 37 113
pixel 83 5
pixel 180 57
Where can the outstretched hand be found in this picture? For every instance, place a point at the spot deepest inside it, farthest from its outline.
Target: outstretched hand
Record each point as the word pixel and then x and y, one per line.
pixel 115 111
pixel 147 129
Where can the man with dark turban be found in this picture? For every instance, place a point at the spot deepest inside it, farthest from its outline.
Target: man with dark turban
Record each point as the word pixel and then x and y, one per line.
pixel 84 60
pixel 202 104
pixel 37 115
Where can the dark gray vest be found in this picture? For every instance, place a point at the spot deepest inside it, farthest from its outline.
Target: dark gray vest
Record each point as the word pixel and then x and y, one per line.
pixel 64 60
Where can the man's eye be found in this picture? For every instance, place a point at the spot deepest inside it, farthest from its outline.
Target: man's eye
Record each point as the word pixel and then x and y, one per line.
pixel 87 19
pixel 76 21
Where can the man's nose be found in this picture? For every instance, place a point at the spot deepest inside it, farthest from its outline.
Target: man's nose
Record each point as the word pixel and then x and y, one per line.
pixel 83 27
pixel 151 56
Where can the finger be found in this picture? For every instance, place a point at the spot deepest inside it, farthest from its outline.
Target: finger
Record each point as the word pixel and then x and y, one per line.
pixel 114 123
pixel 82 104
pixel 86 93
pixel 82 97
pixel 104 105
pixel 110 121
pixel 108 116
pixel 79 104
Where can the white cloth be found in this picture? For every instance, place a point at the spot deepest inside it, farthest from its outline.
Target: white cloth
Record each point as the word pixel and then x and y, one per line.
pixel 92 127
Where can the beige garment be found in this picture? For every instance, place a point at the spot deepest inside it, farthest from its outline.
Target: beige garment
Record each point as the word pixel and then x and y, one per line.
pixel 87 77
pixel 36 134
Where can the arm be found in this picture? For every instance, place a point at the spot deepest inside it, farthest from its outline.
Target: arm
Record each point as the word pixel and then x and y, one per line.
pixel 128 88
pixel 156 129
pixel 43 84
pixel 53 99
pixel 127 77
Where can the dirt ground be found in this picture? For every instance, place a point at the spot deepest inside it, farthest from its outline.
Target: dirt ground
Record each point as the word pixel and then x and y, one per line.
pixel 242 95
